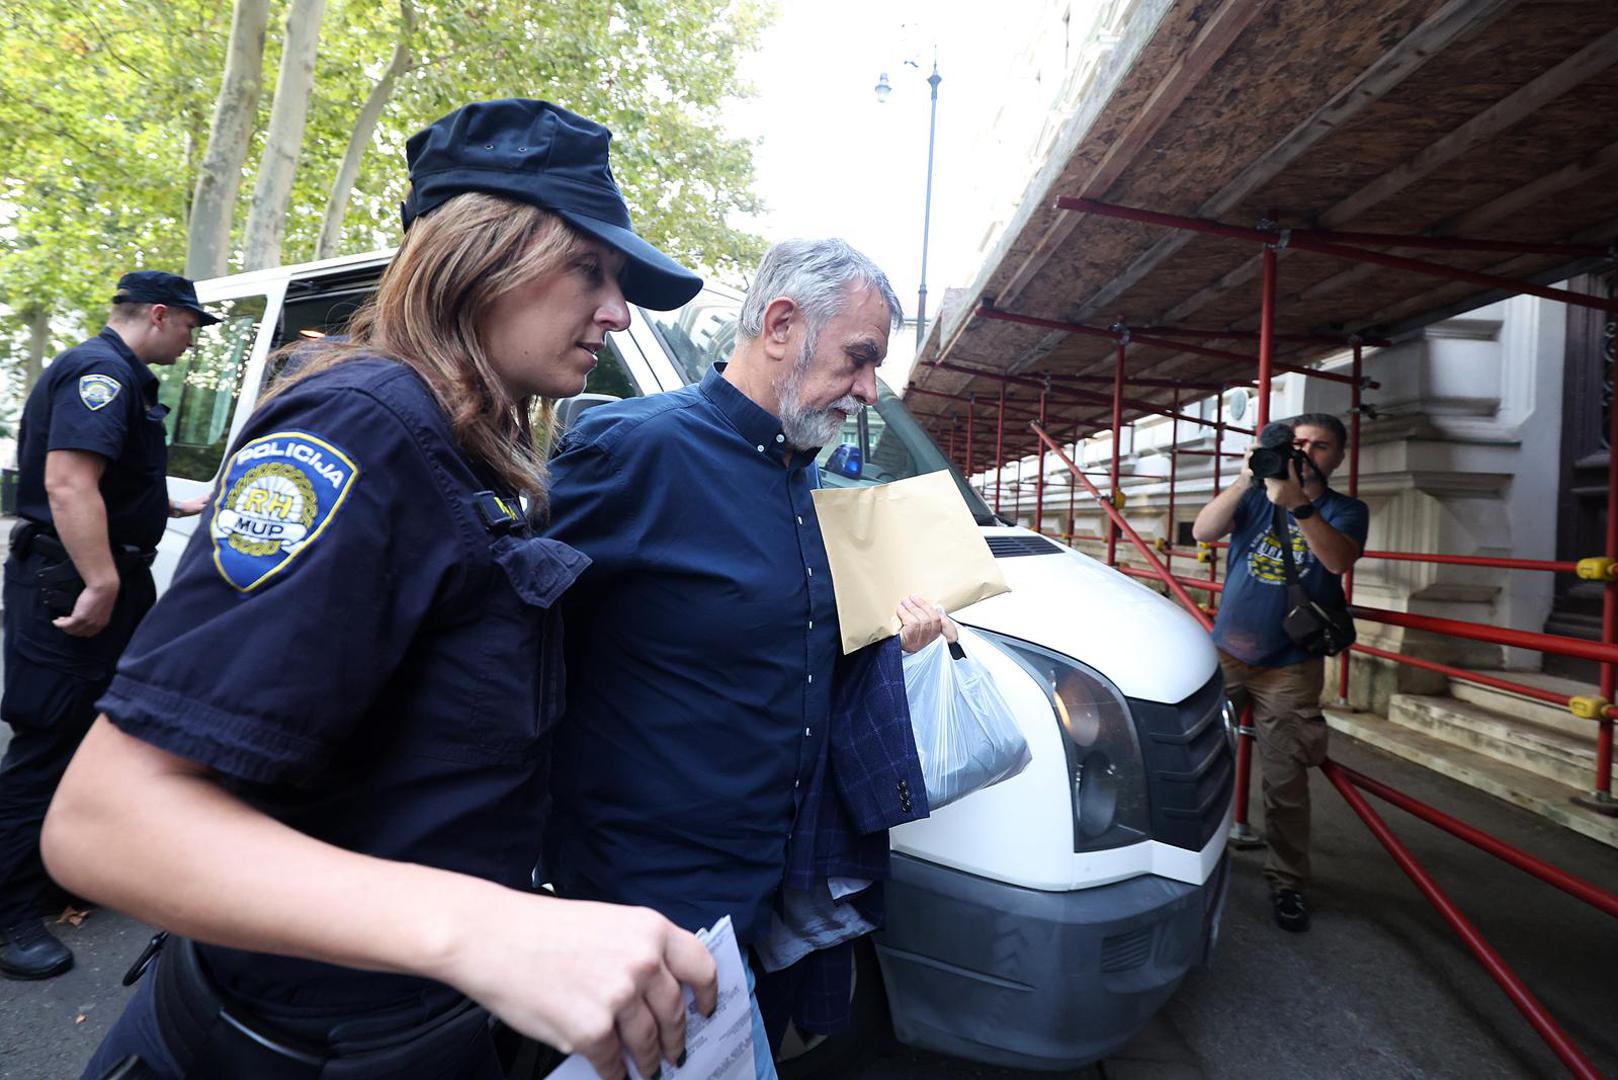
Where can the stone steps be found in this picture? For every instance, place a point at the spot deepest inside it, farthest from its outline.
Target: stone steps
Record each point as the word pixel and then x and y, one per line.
pixel 1513 738
pixel 1528 789
pixel 1527 708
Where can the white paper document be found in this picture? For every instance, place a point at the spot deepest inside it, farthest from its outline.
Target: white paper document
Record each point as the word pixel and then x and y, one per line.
pixel 717 1047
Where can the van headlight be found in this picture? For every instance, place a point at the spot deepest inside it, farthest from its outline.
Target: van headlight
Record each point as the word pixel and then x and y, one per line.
pixel 1105 770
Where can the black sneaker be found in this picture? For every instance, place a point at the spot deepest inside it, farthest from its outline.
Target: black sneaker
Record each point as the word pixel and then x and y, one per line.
pixel 1291 913
pixel 30 952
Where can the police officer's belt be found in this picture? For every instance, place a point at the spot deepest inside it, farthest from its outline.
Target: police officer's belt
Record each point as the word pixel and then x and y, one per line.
pixel 32 538
pixel 211 1035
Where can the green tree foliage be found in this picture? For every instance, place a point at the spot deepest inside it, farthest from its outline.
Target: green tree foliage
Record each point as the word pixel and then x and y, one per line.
pixel 105 111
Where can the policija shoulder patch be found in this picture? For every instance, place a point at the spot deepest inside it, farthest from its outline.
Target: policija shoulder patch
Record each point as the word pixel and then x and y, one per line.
pixel 97 391
pixel 277 497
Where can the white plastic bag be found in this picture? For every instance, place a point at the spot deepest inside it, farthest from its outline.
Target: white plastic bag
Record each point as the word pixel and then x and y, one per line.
pixel 965 734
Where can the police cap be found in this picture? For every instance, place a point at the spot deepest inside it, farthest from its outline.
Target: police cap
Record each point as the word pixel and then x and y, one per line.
pixel 540 153
pixel 156 287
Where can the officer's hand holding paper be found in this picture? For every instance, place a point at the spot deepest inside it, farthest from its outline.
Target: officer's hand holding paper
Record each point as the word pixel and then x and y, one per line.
pixel 717 1047
pixel 891 541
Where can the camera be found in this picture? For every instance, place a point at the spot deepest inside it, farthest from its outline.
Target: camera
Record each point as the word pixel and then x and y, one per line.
pixel 1274 451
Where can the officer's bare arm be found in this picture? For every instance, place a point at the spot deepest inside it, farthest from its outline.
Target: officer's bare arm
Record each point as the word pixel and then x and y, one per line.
pixel 152 834
pixel 73 488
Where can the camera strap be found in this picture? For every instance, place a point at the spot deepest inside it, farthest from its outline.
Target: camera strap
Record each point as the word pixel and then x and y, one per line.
pixel 1318 629
pixel 1283 535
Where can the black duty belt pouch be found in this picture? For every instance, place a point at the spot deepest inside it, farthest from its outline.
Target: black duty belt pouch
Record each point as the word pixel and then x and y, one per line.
pixel 1316 628
pixel 58 580
pixel 211 1036
pixel 59 587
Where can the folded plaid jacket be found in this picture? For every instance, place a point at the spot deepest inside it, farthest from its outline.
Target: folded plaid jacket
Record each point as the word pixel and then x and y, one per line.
pixel 867 780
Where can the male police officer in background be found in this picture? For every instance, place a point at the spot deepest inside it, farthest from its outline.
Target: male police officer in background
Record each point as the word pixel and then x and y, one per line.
pixel 91 456
pixel 1326 532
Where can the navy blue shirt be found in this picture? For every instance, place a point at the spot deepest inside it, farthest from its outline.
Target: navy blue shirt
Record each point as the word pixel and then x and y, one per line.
pixel 1255 599
pixel 100 397
pixel 701 644
pixel 356 652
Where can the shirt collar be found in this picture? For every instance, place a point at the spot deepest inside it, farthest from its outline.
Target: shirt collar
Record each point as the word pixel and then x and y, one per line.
pixel 754 423
pixel 142 372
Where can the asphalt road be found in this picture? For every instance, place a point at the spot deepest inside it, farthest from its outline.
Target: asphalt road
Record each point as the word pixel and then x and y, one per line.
pixel 1379 988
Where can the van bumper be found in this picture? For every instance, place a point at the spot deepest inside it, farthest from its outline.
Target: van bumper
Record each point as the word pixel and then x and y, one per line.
pixel 1011 976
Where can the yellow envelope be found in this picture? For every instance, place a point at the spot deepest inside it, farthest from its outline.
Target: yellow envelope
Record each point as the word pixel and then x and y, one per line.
pixel 889 541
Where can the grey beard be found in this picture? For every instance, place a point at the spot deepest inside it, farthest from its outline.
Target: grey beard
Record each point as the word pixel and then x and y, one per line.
pixel 806 428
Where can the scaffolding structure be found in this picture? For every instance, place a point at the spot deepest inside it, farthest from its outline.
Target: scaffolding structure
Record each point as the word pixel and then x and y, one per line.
pixel 1599 707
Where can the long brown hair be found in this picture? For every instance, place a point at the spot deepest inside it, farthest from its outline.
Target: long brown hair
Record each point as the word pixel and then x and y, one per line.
pixel 425 313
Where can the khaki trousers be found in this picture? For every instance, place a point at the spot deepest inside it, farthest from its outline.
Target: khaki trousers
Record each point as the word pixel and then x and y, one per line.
pixel 1291 738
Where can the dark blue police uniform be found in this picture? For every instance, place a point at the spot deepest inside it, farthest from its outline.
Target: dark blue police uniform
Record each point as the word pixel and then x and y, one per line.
pixel 97 397
pixel 702 645
pixel 362 640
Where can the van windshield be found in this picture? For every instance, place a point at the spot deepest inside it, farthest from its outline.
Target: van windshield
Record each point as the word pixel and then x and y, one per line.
pixel 878 445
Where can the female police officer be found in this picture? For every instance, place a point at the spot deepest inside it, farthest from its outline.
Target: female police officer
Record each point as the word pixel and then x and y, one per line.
pixel 324 755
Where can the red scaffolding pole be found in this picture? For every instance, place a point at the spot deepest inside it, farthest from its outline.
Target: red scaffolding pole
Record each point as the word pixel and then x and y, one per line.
pixel 971 410
pixel 1219 448
pixel 1252 335
pixel 1039 480
pixel 1353 492
pixel 1070 394
pixel 1143 339
pixel 1307 241
pixel 1117 518
pixel 1604 652
pixel 1572 884
pixel 1266 340
pixel 1242 834
pixel 1117 446
pixel 999 448
pixel 1174 472
pixel 1498 969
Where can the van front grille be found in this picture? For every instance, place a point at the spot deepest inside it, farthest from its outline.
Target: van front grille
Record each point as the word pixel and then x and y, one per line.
pixel 1190 770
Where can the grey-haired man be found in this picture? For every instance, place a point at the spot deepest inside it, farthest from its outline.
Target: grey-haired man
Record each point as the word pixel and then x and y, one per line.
pixel 704 634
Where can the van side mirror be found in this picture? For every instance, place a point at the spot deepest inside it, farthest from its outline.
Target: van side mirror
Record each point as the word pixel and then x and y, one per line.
pixel 568 410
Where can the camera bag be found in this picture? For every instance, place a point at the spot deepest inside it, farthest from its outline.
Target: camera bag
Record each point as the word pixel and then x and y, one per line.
pixel 1316 628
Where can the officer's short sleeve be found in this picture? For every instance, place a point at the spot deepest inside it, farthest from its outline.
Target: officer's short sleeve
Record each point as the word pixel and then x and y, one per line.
pixel 328 542
pixel 90 405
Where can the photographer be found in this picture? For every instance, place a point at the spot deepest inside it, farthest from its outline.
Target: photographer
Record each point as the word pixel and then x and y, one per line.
pixel 1262 662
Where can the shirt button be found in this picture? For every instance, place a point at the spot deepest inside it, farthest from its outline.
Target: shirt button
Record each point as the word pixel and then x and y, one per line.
pixel 761 448
pixel 811 624
pixel 807 732
pixel 795 783
pixel 800 519
pixel 811 678
pixel 811 570
pixel 780 438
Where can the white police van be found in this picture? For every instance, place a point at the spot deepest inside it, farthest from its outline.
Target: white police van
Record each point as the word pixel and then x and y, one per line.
pixel 1038 923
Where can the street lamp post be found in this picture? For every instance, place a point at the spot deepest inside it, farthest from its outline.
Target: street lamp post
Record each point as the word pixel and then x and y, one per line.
pixel 883 89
